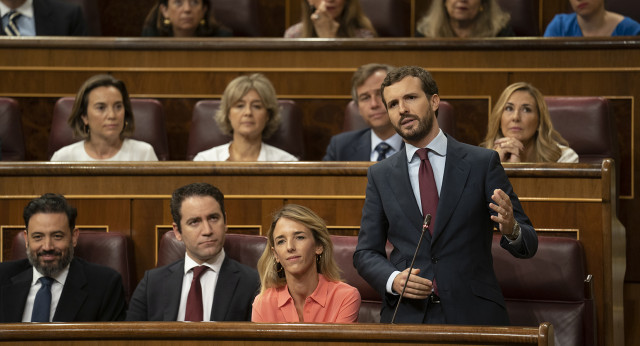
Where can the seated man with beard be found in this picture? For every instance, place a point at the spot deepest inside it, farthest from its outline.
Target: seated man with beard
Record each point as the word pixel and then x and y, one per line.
pixel 51 285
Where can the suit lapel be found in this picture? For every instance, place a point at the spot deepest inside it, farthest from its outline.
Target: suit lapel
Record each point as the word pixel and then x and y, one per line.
pixel 171 291
pixel 225 287
pixel 41 12
pixel 456 172
pixel 402 191
pixel 362 151
pixel 73 294
pixel 14 296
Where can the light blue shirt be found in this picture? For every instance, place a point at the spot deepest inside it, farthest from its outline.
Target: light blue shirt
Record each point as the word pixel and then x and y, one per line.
pixel 395 143
pixel 26 22
pixel 437 157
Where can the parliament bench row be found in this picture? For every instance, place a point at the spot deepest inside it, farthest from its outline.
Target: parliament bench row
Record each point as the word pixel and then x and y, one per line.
pixel 553 286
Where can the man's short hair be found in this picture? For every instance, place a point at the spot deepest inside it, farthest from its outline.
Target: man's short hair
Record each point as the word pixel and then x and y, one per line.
pixel 194 190
pixel 50 203
pixel 429 85
pixel 363 73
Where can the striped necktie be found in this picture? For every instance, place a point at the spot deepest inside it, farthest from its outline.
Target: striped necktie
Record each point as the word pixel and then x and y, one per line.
pixel 12 27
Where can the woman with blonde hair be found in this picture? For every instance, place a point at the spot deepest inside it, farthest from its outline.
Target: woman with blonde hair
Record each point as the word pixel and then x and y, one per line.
pixel 300 279
pixel 249 112
pixel 332 19
pixel 464 18
pixel 520 128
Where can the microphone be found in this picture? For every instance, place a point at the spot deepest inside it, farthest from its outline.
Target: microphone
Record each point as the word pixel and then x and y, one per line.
pixel 425 226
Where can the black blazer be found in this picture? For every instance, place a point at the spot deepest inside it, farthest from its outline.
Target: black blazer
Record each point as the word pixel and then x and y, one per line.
pixel 157 297
pixel 57 18
pixel 350 146
pixel 91 292
pixel 458 254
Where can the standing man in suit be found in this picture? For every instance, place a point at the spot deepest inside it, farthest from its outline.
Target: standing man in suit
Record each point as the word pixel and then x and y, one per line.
pixel 226 287
pixel 379 140
pixel 465 190
pixel 50 285
pixel 41 18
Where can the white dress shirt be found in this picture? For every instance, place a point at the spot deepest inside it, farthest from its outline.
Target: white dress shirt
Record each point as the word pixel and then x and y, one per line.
pixel 56 291
pixel 208 281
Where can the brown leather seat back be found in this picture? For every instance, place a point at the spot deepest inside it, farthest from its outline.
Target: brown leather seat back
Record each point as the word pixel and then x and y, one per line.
pixel 549 287
pixel 11 138
pixel 110 249
pixel 205 133
pixel 390 18
pixel 148 114
pixel 625 7
pixel 241 16
pixel 91 15
pixel 525 17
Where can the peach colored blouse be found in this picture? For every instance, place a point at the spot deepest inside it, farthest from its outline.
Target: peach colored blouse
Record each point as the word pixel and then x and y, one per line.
pixel 331 302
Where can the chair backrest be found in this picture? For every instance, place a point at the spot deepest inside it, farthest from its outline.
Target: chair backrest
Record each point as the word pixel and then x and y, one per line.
pixel 91 15
pixel 241 16
pixel 149 118
pixel 110 249
pixel 205 133
pixel 588 126
pixel 551 286
pixel 390 18
pixel 625 7
pixel 446 118
pixel 525 17
pixel 11 138
pixel 243 248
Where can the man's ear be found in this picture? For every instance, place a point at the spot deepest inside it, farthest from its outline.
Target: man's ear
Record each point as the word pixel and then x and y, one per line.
pixel 74 236
pixel 176 232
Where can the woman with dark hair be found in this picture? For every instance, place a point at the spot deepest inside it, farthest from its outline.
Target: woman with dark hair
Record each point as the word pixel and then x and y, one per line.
pixel 102 116
pixel 183 18
pixel 300 279
pixel 332 19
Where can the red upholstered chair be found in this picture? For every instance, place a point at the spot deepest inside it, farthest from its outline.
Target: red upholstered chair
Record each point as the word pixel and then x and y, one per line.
pixel 110 249
pixel 148 114
pixel 390 18
pixel 343 248
pixel 11 138
pixel 243 248
pixel 446 118
pixel 524 16
pixel 205 134
pixel 91 15
pixel 588 126
pixel 241 16
pixel 552 286
pixel 625 7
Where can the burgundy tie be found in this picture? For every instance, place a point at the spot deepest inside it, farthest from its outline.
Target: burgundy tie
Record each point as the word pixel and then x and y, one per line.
pixel 194 299
pixel 428 189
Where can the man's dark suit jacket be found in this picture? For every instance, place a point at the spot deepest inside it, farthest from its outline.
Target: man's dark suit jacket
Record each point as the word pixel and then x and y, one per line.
pixel 459 253
pixel 57 18
pixel 350 146
pixel 91 292
pixel 157 297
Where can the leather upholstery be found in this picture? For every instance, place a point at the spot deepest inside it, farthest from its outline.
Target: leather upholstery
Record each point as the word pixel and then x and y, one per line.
pixel 241 16
pixel 110 249
pixel 524 16
pixel 446 118
pixel 11 138
pixel 243 248
pixel 205 133
pixel 551 286
pixel 588 126
pixel 625 7
pixel 150 126
pixel 390 18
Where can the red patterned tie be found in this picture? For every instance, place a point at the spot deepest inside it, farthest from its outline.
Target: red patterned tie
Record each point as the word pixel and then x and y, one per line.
pixel 194 299
pixel 428 189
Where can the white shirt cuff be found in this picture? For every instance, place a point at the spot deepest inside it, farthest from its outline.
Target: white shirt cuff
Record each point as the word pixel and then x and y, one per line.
pixel 390 282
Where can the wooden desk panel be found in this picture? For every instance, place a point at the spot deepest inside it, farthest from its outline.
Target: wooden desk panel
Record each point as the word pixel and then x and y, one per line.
pixel 572 199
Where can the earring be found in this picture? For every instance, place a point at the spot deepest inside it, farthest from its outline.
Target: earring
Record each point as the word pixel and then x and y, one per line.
pixel 279 269
pixel 166 22
pixel 203 22
pixel 318 258
pixel 481 8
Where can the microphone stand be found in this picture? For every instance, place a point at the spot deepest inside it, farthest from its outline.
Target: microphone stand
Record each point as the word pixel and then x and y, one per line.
pixel 425 226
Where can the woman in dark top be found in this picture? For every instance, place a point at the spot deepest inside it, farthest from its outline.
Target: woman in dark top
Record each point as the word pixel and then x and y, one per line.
pixel 464 18
pixel 183 18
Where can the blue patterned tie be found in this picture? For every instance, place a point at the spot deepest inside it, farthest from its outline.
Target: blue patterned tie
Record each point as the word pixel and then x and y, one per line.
pixel 42 304
pixel 12 27
pixel 382 150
